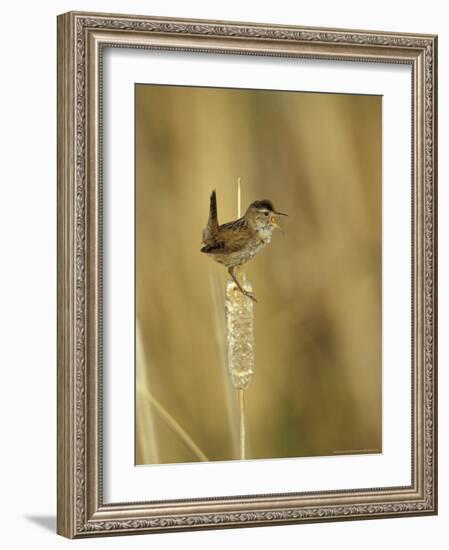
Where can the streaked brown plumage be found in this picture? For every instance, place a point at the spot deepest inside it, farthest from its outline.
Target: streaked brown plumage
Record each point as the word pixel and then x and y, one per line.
pixel 234 243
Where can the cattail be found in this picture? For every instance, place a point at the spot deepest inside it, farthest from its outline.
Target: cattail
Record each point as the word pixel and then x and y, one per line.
pixel 239 334
pixel 240 338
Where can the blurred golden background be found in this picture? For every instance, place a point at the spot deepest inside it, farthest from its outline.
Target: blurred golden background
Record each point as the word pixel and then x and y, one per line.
pixel 317 383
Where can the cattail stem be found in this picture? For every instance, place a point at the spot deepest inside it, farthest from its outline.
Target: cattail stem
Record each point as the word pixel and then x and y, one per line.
pixel 240 339
pixel 242 425
pixel 239 197
pixel 241 391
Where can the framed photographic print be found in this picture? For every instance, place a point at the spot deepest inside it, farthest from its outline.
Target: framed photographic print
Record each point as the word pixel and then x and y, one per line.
pixel 246 274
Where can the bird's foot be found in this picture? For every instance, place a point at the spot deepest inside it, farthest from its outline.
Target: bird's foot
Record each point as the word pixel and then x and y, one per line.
pixel 239 287
pixel 249 294
pixel 252 296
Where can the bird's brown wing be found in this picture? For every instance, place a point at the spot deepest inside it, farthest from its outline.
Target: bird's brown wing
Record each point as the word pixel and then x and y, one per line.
pixel 227 242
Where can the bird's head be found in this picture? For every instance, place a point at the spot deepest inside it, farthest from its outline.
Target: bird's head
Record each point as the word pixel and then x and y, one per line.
pixel 263 216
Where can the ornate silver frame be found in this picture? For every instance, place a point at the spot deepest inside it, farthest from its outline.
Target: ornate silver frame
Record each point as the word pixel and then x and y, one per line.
pixel 81 39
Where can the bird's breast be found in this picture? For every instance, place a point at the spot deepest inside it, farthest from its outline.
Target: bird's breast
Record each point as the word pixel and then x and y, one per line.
pixel 264 236
pixel 261 239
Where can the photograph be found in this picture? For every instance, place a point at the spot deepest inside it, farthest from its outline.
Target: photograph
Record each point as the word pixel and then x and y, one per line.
pixel 247 282
pixel 258 274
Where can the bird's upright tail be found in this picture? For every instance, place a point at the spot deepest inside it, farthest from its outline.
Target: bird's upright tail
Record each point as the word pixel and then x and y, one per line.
pixel 213 208
pixel 211 228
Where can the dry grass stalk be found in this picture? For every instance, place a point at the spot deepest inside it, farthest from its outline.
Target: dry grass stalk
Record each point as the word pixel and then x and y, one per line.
pixel 173 424
pixel 145 411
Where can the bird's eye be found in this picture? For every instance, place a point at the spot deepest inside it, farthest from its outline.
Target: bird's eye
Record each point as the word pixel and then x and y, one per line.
pixel 266 213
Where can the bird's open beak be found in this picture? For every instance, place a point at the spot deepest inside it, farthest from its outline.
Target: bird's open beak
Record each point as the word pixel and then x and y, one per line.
pixel 275 223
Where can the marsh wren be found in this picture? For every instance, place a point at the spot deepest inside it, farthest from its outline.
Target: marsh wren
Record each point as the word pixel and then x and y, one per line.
pixel 234 243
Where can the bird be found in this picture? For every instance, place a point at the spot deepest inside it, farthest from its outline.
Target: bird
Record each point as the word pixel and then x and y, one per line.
pixel 234 243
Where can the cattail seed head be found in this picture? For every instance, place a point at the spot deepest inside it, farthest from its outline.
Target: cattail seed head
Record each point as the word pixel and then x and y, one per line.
pixel 240 334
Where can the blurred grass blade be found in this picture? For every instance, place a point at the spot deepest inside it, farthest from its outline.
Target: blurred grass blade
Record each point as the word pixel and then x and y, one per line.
pixel 174 425
pixel 149 448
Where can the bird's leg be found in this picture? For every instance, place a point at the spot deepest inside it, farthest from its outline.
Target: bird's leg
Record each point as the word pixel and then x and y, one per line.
pixel 231 271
